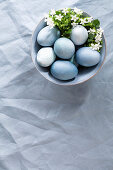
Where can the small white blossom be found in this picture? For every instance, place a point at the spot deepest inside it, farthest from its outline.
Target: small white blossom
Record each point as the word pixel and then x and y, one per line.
pixel 59 17
pixel 74 17
pixel 50 22
pixel 86 20
pixel 52 12
pixel 65 11
pixel 96 46
pixel 46 17
pixel 98 38
pixel 83 21
pixel 100 31
pixel 78 11
pixel 89 19
pixel 91 31
pixel 74 24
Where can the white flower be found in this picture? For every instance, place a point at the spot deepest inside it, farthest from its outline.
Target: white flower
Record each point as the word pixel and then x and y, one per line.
pixel 74 17
pixel 100 31
pixel 50 22
pixel 46 17
pixel 74 24
pixel 86 20
pixel 98 38
pixel 91 31
pixel 83 21
pixel 52 12
pixel 59 17
pixel 89 19
pixel 96 46
pixel 78 11
pixel 65 11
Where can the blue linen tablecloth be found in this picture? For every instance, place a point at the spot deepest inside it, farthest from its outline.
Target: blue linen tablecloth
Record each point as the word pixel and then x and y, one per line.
pixel 45 126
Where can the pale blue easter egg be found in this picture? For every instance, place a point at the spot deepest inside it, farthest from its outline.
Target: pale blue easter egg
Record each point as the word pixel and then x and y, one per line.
pixel 64 48
pixel 47 36
pixel 87 57
pixel 64 70
pixel 45 56
pixel 79 35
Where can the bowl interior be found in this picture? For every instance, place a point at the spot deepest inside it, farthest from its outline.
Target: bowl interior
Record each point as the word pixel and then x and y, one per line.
pixel 84 74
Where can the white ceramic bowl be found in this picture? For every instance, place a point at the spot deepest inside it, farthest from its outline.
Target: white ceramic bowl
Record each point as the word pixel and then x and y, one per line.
pixel 84 74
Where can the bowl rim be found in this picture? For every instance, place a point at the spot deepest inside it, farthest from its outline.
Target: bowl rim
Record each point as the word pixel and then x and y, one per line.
pixel 66 84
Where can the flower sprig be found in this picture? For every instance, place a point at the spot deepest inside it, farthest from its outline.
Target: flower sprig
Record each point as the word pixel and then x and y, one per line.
pixel 66 19
pixel 95 38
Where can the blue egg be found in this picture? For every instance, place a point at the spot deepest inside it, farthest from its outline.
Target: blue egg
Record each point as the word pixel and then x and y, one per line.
pixel 47 36
pixel 79 35
pixel 64 70
pixel 45 56
pixel 64 48
pixel 87 57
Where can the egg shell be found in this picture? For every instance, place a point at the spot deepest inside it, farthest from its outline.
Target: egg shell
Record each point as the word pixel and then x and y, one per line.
pixel 64 70
pixel 79 35
pixel 47 36
pixel 45 56
pixel 64 48
pixel 87 57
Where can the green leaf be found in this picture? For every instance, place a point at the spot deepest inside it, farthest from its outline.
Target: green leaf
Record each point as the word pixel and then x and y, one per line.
pixel 91 36
pixel 96 23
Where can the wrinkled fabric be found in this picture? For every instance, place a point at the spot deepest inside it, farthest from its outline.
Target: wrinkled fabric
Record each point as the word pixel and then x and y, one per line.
pixel 44 126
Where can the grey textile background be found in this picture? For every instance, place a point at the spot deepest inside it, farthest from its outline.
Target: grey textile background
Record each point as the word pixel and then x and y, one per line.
pixel 45 126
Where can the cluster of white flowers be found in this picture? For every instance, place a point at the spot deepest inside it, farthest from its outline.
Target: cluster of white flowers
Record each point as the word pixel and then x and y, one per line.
pixel 96 46
pixel 86 20
pixel 49 21
pixel 75 20
pixel 98 39
pixel 78 11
